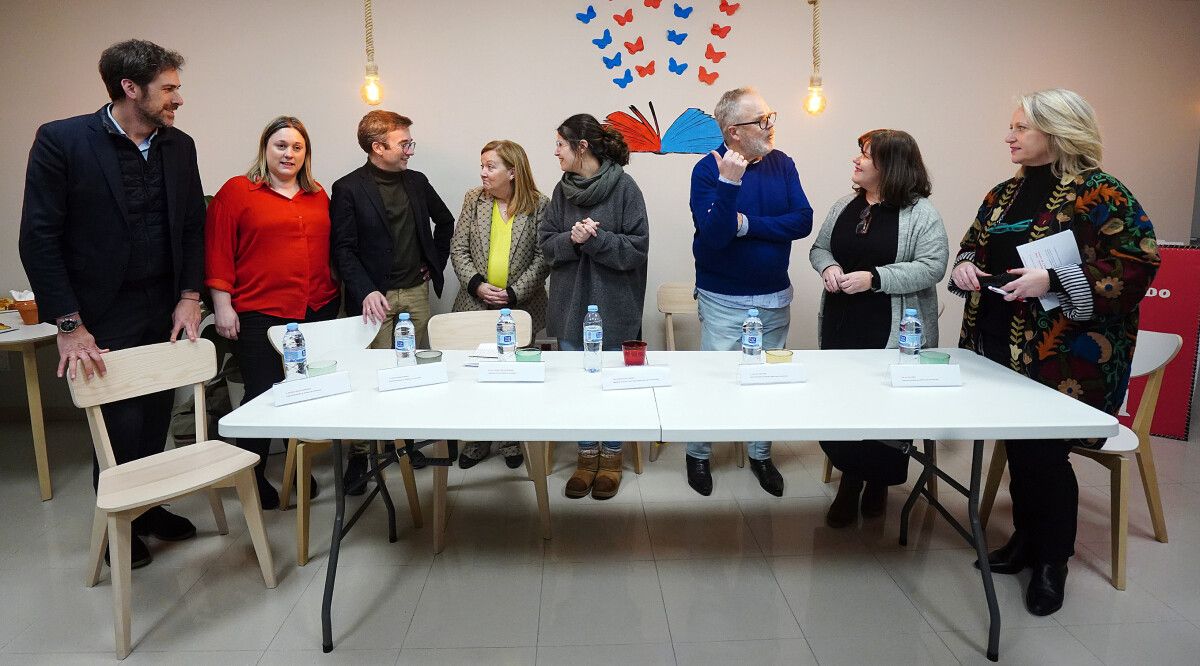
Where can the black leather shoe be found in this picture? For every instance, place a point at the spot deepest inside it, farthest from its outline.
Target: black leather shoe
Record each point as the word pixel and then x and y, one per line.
pixel 418 460
pixel 1047 588
pixel 481 449
pixel 874 500
pixel 1011 558
pixel 162 524
pixel 139 554
pixel 356 472
pixel 514 462
pixel 768 476
pixel 268 497
pixel 844 509
pixel 699 475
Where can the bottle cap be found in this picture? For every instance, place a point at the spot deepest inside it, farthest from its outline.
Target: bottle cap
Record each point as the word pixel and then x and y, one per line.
pixel 293 326
pixel 505 311
pixel 910 312
pixel 593 308
pixel 752 312
pixel 404 316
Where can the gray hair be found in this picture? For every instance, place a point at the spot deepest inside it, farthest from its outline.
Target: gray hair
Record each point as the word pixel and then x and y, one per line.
pixel 1070 122
pixel 727 106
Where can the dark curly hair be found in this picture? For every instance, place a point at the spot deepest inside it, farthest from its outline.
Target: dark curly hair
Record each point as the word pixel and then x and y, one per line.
pixel 137 60
pixel 605 142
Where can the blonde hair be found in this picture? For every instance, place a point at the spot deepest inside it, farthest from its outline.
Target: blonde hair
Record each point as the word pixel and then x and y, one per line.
pixel 525 191
pixel 1070 122
pixel 259 172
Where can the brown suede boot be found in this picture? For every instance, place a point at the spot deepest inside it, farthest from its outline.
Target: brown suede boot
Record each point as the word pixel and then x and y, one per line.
pixel 608 479
pixel 580 482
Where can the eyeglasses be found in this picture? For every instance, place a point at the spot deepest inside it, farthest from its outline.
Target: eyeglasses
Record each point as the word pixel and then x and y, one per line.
pixel 408 146
pixel 764 123
pixel 864 221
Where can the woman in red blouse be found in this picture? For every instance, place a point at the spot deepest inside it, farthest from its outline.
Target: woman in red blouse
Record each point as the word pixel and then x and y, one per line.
pixel 267 261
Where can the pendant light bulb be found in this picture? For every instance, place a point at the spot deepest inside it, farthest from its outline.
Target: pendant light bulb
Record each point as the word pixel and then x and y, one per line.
pixel 814 103
pixel 372 91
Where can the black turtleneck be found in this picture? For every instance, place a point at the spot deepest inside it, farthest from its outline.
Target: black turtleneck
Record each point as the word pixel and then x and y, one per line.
pixel 406 253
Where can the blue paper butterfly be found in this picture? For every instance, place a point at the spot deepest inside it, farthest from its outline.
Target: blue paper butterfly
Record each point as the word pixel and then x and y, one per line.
pixel 683 12
pixel 614 61
pixel 624 80
pixel 587 16
pixel 677 67
pixel 676 37
pixel 604 40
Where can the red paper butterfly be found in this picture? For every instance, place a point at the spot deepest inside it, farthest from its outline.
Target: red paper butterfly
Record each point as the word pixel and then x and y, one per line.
pixel 713 54
pixel 622 19
pixel 707 76
pixel 645 71
pixel 721 32
pixel 653 3
pixel 729 9
pixel 634 47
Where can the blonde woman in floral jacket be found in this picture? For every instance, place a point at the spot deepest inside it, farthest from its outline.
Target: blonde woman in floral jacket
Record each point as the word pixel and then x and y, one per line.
pixel 1082 348
pixel 496 256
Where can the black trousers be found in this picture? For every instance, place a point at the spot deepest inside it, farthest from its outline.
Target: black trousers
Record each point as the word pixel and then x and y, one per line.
pixel 137 427
pixel 1045 496
pixel 261 365
pixel 871 461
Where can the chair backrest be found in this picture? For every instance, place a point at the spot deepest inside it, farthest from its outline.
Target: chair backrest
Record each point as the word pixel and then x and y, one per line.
pixel 675 298
pixel 468 330
pixel 140 371
pixel 1150 357
pixel 325 338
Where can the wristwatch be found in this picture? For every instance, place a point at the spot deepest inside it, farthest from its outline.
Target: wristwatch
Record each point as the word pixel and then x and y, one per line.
pixel 69 324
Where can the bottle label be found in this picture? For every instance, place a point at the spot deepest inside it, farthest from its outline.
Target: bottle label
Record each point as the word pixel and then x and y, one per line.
pixel 294 355
pixel 406 344
pixel 593 335
pixel 506 339
pixel 751 340
pixel 910 340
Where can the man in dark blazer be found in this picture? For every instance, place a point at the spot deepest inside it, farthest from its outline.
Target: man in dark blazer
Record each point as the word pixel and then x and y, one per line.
pixel 112 240
pixel 390 237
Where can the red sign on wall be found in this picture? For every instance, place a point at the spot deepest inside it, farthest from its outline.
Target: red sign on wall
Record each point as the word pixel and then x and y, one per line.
pixel 1172 305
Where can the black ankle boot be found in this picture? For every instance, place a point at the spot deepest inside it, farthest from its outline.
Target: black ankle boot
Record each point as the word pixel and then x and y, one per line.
pixel 844 509
pixel 768 476
pixel 268 497
pixel 874 500
pixel 699 475
pixel 356 472
pixel 1047 588
pixel 1011 558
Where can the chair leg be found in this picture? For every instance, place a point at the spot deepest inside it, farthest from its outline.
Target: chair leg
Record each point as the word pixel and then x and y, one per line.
pixel 96 550
pixel 1119 471
pixel 410 489
pixel 740 453
pixel 289 474
pixel 1145 460
pixel 637 457
pixel 549 458
pixel 992 484
pixel 440 474
pixel 218 510
pixel 303 469
pixel 655 449
pixel 247 490
pixel 827 470
pixel 120 533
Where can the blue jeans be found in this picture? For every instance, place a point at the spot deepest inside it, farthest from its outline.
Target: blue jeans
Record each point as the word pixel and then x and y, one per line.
pixel 567 345
pixel 721 330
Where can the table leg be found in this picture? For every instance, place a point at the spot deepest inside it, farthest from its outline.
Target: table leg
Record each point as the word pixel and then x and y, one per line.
pixel 34 392
pixel 440 476
pixel 906 510
pixel 387 497
pixel 985 570
pixel 537 456
pixel 335 543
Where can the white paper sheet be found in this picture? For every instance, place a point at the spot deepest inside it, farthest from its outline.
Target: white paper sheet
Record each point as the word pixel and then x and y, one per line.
pixel 1050 252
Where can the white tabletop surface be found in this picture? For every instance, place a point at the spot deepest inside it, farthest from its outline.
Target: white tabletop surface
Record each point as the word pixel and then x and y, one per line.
pixel 23 332
pixel 568 406
pixel 849 396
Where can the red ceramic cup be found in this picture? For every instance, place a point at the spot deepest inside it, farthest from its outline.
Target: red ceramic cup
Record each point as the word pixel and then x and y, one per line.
pixel 635 352
pixel 28 310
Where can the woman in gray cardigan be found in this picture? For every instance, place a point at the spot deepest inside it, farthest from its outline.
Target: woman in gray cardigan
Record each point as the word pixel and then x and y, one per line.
pixel 880 250
pixel 596 239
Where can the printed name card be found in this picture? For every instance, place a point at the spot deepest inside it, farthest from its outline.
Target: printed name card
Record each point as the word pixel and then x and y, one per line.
pixel 411 376
pixel 904 376
pixel 310 388
pixel 634 376
pixel 508 371
pixel 772 373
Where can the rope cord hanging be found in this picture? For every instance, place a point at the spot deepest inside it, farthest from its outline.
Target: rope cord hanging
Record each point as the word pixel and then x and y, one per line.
pixel 816 35
pixel 369 27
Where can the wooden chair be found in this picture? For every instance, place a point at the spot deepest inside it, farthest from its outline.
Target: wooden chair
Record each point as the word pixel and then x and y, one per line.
pixel 323 339
pixel 1151 356
pixel 128 490
pixel 679 298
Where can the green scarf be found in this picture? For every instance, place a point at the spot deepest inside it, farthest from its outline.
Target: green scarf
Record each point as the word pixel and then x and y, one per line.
pixel 587 192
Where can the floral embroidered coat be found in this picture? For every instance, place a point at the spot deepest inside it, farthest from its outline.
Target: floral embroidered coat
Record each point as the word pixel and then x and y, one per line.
pixel 1084 347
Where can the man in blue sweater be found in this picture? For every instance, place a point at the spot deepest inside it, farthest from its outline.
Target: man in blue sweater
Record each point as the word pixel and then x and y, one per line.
pixel 748 207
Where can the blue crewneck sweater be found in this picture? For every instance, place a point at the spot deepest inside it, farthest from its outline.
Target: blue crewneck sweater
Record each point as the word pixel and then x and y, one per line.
pixel 777 211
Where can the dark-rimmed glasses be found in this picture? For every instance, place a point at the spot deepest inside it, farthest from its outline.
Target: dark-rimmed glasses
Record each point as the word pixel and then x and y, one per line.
pixel 864 221
pixel 764 123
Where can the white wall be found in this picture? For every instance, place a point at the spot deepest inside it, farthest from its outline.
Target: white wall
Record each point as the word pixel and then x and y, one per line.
pixel 469 71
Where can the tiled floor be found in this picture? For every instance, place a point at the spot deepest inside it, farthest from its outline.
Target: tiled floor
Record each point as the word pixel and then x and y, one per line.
pixel 658 575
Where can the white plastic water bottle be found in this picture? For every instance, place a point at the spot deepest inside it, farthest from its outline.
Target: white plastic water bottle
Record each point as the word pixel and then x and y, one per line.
pixel 752 330
pixel 506 336
pixel 295 355
pixel 405 340
pixel 593 339
pixel 910 337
